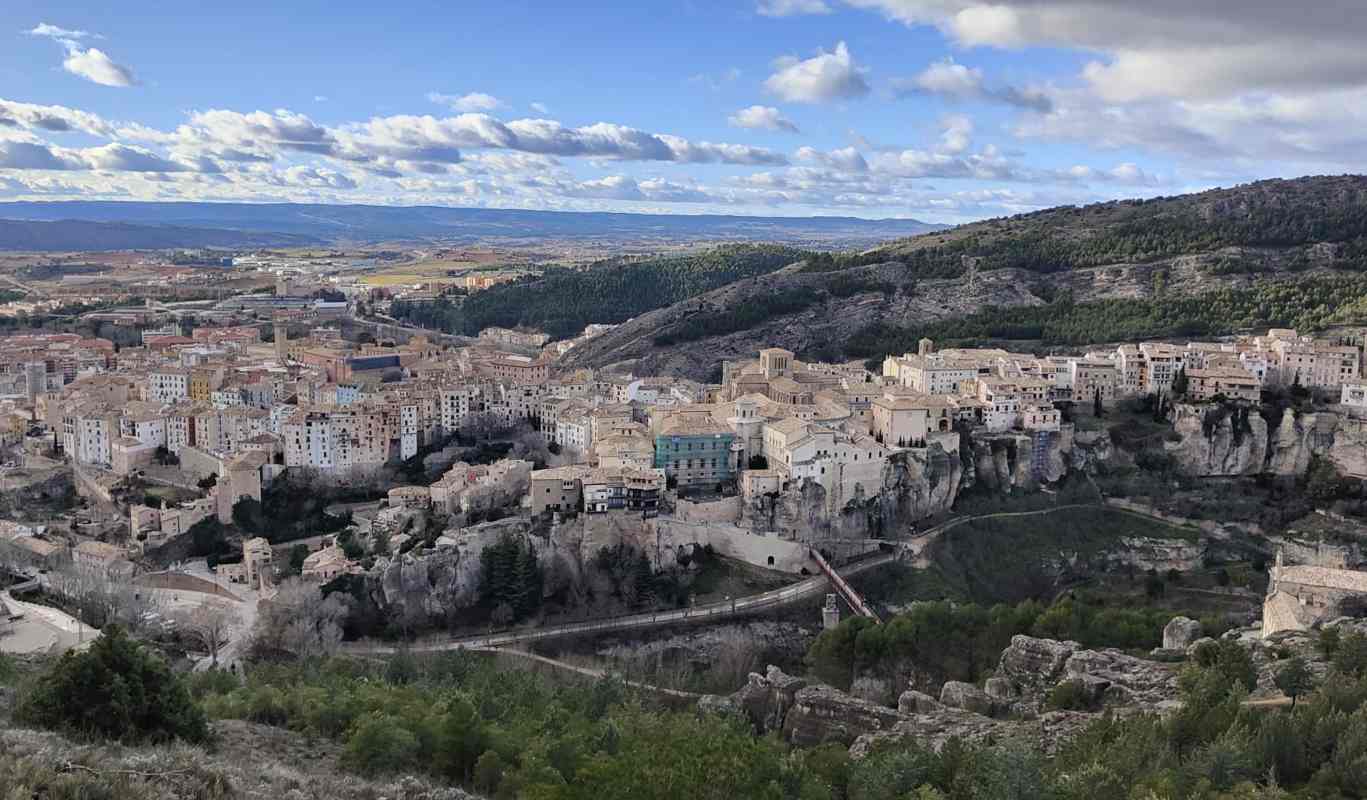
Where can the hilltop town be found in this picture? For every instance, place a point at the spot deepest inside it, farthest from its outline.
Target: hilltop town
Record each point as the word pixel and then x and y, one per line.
pixel 261 439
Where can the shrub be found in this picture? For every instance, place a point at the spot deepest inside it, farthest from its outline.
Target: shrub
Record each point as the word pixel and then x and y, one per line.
pixel 116 690
pixel 1070 695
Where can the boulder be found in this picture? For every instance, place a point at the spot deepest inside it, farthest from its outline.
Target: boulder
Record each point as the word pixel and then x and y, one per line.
pixel 1122 678
pixel 765 699
pixel 1033 665
pixel 914 702
pixel 822 714
pixel 1180 632
pixel 1000 689
pixel 966 696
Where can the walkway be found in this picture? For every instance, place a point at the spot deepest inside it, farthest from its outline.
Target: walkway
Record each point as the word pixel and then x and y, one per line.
pixel 844 589
pixel 740 606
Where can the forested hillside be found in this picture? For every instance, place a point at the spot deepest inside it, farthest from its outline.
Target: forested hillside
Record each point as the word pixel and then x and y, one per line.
pixel 1284 252
pixel 1267 214
pixel 1308 304
pixel 563 301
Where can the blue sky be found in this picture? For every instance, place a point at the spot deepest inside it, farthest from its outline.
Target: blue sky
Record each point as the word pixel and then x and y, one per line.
pixel 944 110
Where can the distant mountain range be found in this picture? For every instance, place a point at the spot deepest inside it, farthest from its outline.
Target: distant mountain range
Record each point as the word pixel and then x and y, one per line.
pixel 70 234
pixel 112 225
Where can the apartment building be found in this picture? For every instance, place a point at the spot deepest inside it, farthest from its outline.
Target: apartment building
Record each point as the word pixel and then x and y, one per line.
pixel 168 386
pixel 1234 384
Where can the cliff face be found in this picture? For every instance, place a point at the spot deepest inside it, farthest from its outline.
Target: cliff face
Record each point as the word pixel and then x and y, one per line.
pixel 915 484
pixel 1216 442
pixel 446 578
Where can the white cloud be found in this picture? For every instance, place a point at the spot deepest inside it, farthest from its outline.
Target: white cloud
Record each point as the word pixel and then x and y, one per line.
pixel 539 108
pixel 55 32
pixel 846 159
pixel 763 118
pixel 90 63
pixel 822 78
pixel 1166 48
pixel 957 133
pixel 95 66
pixel 474 101
pixel 791 8
pixel 954 81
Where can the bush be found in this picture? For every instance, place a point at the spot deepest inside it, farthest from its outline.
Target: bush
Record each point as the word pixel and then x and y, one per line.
pixel 116 690
pixel 1070 695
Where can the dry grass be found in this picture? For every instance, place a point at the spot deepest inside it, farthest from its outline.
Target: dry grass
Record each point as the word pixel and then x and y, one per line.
pixel 245 762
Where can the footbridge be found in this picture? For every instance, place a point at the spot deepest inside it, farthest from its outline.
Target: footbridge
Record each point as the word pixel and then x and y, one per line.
pixel 815 586
pixel 843 588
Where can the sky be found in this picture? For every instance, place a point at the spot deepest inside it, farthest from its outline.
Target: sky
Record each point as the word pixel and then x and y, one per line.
pixel 940 110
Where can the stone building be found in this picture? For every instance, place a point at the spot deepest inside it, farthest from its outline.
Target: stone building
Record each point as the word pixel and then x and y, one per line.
pixel 1302 595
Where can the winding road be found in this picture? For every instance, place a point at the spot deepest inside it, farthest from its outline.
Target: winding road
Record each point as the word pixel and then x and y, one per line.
pixel 740 606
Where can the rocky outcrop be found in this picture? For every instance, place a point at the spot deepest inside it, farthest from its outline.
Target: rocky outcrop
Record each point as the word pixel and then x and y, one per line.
pixel 966 696
pixel 1180 633
pixel 1031 667
pixel 822 714
pixel 1116 678
pixel 914 702
pixel 915 484
pixel 766 699
pixel 445 577
pixel 1006 461
pixel 1217 442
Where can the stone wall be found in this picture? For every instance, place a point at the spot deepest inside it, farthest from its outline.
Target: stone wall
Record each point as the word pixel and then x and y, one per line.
pixel 726 510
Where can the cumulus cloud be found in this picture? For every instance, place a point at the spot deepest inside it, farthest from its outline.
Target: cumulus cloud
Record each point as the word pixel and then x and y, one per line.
pixel 96 66
pixel 846 159
pixel 1166 48
pixel 956 81
pixel 791 8
pixel 539 108
pixel 762 117
pixel 90 63
pixel 825 77
pixel 474 101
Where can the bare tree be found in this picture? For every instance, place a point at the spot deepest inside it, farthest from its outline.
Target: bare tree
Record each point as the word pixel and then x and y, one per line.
pixel 482 426
pixel 209 625
pixel 101 600
pixel 300 621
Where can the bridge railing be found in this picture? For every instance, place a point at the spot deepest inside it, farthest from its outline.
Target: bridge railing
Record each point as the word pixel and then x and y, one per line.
pixel 720 610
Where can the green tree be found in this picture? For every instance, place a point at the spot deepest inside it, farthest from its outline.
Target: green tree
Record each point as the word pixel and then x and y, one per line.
pixel 380 743
pixel 1350 656
pixel 117 689
pixel 1294 678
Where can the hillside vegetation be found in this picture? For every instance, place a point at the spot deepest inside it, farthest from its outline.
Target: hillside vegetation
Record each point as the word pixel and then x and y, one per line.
pixel 1266 214
pixel 562 302
pixel 1308 304
pixel 1273 252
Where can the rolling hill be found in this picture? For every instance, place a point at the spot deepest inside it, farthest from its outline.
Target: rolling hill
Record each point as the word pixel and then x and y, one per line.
pixel 70 234
pixel 362 223
pixel 1227 248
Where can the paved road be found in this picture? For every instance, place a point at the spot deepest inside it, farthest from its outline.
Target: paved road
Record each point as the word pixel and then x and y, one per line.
pixel 811 587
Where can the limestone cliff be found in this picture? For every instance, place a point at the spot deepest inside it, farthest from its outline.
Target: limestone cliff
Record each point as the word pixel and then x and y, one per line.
pixel 445 578
pixel 1216 441
pixel 915 484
